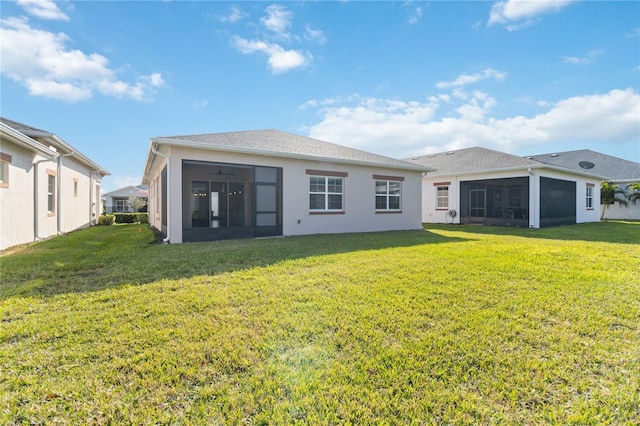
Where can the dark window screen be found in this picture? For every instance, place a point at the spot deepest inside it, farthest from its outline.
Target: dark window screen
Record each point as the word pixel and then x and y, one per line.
pixel 557 202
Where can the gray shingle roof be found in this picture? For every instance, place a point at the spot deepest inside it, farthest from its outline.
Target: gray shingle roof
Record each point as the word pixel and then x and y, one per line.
pixel 470 160
pixel 278 143
pixel 613 168
pixel 21 127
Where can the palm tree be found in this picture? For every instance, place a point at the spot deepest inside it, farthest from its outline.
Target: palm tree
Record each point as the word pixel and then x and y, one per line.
pixel 608 192
pixel 633 190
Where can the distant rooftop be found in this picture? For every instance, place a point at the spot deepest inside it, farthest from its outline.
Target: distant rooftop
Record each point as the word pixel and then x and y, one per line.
pixel 587 161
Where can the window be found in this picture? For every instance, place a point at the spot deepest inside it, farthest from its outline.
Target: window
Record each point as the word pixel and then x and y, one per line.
pixel 5 160
pixel 589 196
pixel 121 206
pixel 75 187
pixel 51 192
pixel 388 194
pixel 325 193
pixel 442 195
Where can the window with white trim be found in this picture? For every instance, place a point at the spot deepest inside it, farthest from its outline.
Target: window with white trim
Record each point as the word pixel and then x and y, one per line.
pixel 589 196
pixel 5 160
pixel 121 206
pixel 388 194
pixel 51 192
pixel 442 197
pixel 326 193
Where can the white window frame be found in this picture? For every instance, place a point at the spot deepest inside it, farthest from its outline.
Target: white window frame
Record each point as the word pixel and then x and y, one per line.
pixel 589 196
pixel 121 206
pixel 51 192
pixel 388 195
pixel 442 195
pixel 5 160
pixel 327 190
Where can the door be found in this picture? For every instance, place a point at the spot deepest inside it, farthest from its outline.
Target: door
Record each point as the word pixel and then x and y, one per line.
pixel 477 204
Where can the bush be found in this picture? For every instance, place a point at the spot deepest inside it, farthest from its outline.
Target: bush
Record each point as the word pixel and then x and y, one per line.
pixel 131 217
pixel 106 219
pixel 142 217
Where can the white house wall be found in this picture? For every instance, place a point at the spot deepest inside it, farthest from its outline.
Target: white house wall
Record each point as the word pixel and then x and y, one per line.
pixel 23 215
pixel 359 194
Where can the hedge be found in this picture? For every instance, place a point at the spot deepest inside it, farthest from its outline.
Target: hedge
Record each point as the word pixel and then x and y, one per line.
pixel 131 217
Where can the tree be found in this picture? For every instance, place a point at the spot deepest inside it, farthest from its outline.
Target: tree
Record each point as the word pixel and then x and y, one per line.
pixel 610 194
pixel 633 190
pixel 136 203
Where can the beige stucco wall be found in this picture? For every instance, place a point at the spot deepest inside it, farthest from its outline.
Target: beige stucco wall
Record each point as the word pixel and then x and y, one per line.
pixel 432 215
pixel 359 194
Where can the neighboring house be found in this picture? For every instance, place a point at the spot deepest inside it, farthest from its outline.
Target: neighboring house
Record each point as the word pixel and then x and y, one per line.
pixel 482 186
pixel 271 183
pixel 47 187
pixel 615 170
pixel 118 201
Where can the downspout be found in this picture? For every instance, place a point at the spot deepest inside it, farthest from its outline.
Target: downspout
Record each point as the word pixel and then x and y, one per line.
pixel 155 151
pixel 92 185
pixel 58 191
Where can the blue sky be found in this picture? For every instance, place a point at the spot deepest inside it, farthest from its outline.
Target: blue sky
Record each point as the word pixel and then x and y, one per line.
pixel 395 78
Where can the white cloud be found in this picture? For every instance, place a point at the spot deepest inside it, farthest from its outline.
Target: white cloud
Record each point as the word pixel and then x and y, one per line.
pixel 403 129
pixel 311 34
pixel 582 60
pixel 278 20
pixel 234 15
pixel 279 59
pixel 43 9
pixel 416 15
pixel 465 79
pixel 41 61
pixel 516 14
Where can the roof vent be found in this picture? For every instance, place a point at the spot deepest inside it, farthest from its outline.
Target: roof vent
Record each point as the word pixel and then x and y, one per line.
pixel 450 153
pixel 554 155
pixel 586 165
pixel 415 158
pixel 431 155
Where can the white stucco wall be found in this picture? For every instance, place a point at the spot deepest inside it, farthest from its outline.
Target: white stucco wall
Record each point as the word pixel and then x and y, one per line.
pixel 21 203
pixel 430 214
pixel 359 194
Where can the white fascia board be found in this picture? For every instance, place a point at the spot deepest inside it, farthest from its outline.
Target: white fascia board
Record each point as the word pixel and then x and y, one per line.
pixel 25 141
pixel 196 145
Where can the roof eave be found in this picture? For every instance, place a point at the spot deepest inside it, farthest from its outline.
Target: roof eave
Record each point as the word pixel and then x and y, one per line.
pixel 27 142
pixel 522 168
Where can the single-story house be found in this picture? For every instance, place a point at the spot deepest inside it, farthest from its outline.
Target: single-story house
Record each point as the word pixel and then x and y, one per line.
pixel 483 186
pixel 117 201
pixel 47 187
pixel 616 170
pixel 272 183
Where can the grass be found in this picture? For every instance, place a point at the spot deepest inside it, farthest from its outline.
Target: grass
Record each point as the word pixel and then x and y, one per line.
pixel 450 325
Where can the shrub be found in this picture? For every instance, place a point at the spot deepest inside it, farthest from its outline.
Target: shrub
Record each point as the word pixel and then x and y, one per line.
pixel 106 219
pixel 125 217
pixel 142 217
pixel 131 217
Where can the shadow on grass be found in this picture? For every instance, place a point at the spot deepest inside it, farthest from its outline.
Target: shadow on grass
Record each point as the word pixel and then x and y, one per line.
pixel 99 258
pixel 616 232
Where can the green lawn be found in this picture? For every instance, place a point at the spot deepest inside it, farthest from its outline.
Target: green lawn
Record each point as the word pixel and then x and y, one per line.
pixel 450 325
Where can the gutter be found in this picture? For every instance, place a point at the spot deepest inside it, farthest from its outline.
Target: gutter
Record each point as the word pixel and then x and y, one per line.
pixel 156 152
